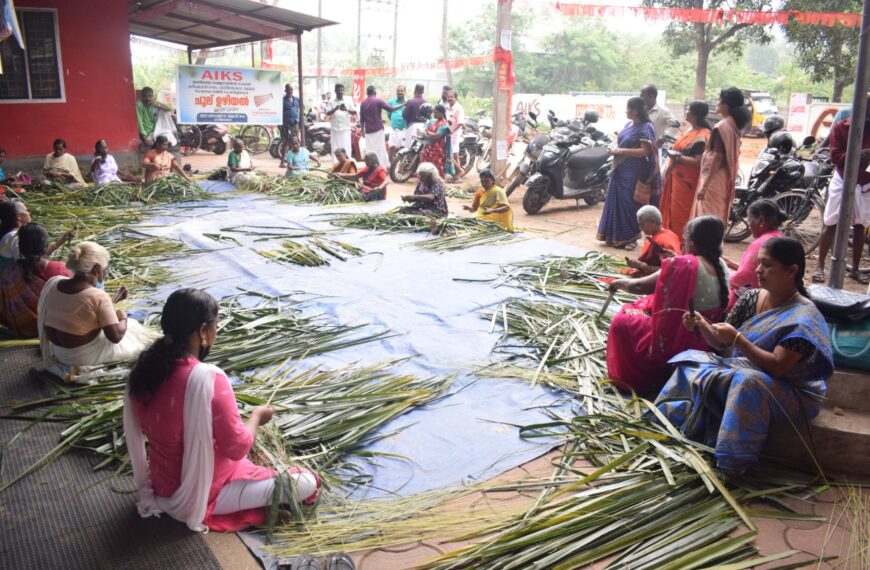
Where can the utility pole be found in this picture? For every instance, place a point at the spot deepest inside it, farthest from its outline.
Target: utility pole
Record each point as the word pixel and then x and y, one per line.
pixel 501 97
pixel 444 51
pixel 395 29
pixel 319 47
pixel 853 156
pixel 358 33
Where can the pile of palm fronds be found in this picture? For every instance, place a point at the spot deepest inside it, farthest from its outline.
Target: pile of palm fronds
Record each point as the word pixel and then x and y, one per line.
pixel 163 190
pixel 308 189
pixel 250 338
pixel 626 487
pixel 138 259
pixel 458 192
pixel 172 189
pixel 580 278
pixel 111 194
pixel 453 232
pixel 302 254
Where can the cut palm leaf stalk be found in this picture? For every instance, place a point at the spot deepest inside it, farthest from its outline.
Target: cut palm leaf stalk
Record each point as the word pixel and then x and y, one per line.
pixel 250 338
pixel 454 232
pixel 295 253
pixel 308 189
pixel 173 189
pixel 610 495
pixel 112 194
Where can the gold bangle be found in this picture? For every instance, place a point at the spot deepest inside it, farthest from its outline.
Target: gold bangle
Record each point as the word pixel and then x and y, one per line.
pixel 736 338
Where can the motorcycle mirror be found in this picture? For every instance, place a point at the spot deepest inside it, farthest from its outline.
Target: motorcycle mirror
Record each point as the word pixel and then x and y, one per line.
pixel 533 115
pixel 673 123
pixel 809 141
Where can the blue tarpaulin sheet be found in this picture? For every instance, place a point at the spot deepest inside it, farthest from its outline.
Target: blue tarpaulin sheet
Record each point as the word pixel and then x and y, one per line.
pixel 394 286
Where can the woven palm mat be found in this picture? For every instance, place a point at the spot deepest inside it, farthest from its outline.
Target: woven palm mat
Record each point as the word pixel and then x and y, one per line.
pixel 68 516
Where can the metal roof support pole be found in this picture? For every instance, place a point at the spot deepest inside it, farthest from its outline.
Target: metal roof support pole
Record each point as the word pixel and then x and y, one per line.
pixel 189 56
pixel 853 156
pixel 301 100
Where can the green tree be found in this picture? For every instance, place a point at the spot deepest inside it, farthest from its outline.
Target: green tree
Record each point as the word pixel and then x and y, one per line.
pixel 687 37
pixel 826 53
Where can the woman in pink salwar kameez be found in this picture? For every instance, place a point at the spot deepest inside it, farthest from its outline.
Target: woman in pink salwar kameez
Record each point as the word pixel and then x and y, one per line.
pixel 197 467
pixel 645 334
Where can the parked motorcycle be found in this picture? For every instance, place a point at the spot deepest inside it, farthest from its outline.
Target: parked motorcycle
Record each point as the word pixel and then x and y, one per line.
pixel 214 138
pixel 576 168
pixel 776 171
pixel 559 131
pixel 317 138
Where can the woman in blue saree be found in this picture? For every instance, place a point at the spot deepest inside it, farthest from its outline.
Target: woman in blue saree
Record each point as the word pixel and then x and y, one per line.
pixel 634 159
pixel 774 357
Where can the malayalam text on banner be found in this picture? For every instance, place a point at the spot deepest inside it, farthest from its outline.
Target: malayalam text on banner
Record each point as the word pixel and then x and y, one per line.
pixel 239 95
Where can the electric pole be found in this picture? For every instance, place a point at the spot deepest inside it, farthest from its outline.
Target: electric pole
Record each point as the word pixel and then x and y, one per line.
pixel 395 30
pixel 501 112
pixel 358 33
pixel 444 51
pixel 319 47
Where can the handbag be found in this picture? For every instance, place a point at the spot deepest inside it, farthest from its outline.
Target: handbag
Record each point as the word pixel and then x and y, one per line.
pixel 840 305
pixel 642 192
pixel 851 344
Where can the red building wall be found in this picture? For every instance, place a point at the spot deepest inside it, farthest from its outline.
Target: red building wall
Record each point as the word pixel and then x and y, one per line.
pixel 98 82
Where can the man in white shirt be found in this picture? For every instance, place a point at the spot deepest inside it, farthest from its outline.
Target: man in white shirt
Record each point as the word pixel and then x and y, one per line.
pixel 456 117
pixel 658 115
pixel 340 113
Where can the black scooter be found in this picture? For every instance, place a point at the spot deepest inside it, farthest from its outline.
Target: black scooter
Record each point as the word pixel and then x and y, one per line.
pixel 576 168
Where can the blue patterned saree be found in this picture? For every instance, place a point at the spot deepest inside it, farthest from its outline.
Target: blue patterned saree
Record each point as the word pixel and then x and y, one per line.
pixel 728 403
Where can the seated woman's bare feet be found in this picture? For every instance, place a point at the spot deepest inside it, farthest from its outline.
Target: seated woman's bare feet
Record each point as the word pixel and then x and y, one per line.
pixel 433 226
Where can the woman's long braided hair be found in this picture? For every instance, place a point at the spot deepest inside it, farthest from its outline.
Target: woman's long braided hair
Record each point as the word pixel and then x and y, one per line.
pixel 186 310
pixel 707 233
pixel 32 247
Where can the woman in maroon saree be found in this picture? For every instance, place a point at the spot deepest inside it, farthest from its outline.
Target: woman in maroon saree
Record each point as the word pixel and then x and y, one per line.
pixel 645 334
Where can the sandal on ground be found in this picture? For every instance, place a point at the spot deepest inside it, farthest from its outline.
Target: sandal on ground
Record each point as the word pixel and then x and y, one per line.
pixel 818 276
pixel 860 277
pixel 306 562
pixel 339 561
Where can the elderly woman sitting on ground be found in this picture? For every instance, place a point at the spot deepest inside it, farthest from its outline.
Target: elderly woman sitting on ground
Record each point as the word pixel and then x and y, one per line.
pixel 60 166
pixel 428 197
pixel 660 243
pixel 373 177
pixel 343 165
pixel 159 162
pixel 77 322
pixel 491 204
pixel 21 284
pixel 239 165
pixel 771 360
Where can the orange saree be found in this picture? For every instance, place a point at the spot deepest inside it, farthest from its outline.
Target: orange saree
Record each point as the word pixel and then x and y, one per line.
pixel 681 182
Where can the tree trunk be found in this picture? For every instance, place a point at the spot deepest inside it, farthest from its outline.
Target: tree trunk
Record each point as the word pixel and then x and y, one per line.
pixel 701 71
pixel 840 84
pixel 444 51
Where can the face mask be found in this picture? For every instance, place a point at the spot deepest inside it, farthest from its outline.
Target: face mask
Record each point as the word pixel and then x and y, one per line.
pixel 100 285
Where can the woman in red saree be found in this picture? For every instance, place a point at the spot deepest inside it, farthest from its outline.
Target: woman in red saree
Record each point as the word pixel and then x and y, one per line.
pixel 437 137
pixel 645 334
pixel 720 161
pixel 681 176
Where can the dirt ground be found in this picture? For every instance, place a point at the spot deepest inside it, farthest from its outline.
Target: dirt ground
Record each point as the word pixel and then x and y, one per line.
pixel 564 220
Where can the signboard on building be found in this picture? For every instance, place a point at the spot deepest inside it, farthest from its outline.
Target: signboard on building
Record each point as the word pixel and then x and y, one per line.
pixel 230 95
pixel 358 88
pixel 797 113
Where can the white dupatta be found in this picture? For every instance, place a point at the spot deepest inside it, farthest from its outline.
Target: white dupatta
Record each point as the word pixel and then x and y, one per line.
pixel 189 502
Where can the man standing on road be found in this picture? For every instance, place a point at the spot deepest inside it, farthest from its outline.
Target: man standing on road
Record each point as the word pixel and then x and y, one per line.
pixel 339 113
pixel 397 123
pixel 290 122
pixel 659 116
pixel 444 91
pixel 411 114
pixel 861 212
pixel 456 117
pixel 373 123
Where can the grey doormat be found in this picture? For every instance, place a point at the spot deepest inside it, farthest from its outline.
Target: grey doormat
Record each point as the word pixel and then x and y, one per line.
pixel 68 516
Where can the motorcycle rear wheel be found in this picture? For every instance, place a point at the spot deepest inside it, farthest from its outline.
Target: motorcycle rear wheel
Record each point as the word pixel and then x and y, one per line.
pixel 466 159
pixel 806 215
pixel 483 161
pixel 189 139
pixel 403 166
pixel 738 226
pixel 219 147
pixel 535 199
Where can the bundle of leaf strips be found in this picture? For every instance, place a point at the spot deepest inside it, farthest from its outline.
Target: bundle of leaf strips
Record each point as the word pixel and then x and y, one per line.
pixel 308 189
pixel 453 232
pixel 459 192
pixel 627 487
pixel 250 338
pixel 302 254
pixel 172 189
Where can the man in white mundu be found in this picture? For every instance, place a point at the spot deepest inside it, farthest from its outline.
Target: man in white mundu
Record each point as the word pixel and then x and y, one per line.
pixel 340 113
pixel 373 123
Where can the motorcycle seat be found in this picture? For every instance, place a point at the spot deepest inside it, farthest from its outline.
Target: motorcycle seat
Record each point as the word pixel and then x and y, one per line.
pixel 588 158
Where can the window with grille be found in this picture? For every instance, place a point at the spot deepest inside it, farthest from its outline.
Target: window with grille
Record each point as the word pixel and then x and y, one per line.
pixel 33 73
